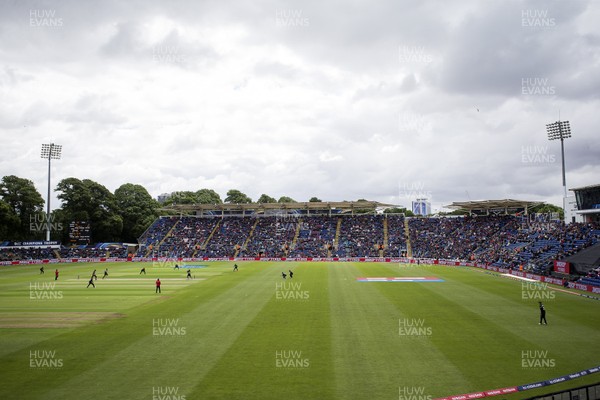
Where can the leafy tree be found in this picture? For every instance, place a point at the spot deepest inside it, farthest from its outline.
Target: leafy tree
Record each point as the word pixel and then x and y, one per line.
pixel 62 220
pixel 137 209
pixel 548 208
pixel 266 199
pixel 25 202
pixel 315 200
pixel 75 196
pixel 9 222
pixel 234 196
pixel 202 196
pixel 363 210
pixel 86 200
pixel 208 196
pixel 398 210
pixel 461 211
pixel 182 197
pixel 286 199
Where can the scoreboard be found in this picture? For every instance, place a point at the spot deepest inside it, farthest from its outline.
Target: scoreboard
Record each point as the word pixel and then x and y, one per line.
pixel 80 232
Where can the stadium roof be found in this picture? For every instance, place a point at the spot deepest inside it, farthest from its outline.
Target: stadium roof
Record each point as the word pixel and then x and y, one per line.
pixel 262 207
pixel 486 205
pixel 591 187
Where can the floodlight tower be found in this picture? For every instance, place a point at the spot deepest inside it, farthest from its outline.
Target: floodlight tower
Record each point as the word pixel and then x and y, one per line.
pixel 51 152
pixel 560 130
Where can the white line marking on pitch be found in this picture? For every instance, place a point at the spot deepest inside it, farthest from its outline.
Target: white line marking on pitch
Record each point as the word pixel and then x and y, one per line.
pixel 518 277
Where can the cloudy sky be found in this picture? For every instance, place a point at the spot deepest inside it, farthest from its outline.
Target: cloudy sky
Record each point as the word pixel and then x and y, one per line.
pixel 385 100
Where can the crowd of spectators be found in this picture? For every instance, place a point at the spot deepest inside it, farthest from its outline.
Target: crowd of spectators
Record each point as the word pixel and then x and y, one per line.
pixel 39 253
pixel 93 252
pixel 188 237
pixel 533 245
pixel 18 254
pixel 516 242
pixel 271 237
pixel 505 241
pixel 396 243
pixel 455 238
pixel 316 237
pixel 155 233
pixel 230 236
pixel 361 236
pixel 591 278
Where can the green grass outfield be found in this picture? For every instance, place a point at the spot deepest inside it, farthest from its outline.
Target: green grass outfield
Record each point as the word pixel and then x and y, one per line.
pixel 238 335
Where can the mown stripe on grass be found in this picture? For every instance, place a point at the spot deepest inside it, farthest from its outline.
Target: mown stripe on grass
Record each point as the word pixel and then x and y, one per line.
pixel 502 302
pixel 179 360
pixel 126 354
pixel 477 319
pixel 372 359
pixel 285 351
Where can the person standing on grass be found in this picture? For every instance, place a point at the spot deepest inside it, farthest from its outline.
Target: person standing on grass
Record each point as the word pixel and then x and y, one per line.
pixel 105 273
pixel 91 282
pixel 143 270
pixel 157 286
pixel 42 270
pixel 235 267
pixel 283 275
pixel 542 314
pixel 291 273
pixel 189 274
pixel 56 275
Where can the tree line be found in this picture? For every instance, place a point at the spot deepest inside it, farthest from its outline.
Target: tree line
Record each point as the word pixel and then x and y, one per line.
pixel 234 196
pixel 121 216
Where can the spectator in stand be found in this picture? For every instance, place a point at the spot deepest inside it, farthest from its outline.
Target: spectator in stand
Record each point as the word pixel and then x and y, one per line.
pixel 231 233
pixel 361 235
pixel 315 236
pixel 506 241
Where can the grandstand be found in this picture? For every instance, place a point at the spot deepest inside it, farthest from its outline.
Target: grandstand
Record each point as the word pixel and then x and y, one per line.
pixel 487 207
pixel 14 251
pixel 519 241
pixel 588 202
pixel 242 307
pixel 585 260
pixel 497 233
